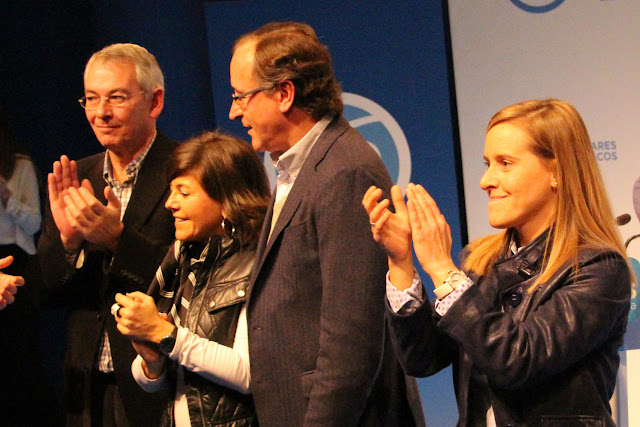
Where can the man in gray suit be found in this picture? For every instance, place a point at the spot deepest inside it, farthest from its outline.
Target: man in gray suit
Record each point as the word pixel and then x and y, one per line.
pixel 316 308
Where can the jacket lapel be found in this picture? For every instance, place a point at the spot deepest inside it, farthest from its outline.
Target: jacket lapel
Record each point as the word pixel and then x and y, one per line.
pixel 264 233
pixel 151 185
pixel 96 177
pixel 304 181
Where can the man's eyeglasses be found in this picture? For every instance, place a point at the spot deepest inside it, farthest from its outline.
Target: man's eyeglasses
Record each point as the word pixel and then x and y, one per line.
pixel 91 102
pixel 242 99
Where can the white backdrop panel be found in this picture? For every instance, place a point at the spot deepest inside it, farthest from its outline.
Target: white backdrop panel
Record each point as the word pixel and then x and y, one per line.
pixel 586 52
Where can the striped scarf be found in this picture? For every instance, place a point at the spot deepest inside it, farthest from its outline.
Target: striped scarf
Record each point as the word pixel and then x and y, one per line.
pixel 184 271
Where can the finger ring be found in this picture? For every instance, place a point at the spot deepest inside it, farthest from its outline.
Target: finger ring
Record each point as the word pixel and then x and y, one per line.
pixel 372 223
pixel 115 310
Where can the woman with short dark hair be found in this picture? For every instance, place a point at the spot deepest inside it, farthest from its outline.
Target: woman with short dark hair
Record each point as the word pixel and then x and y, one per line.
pixel 190 330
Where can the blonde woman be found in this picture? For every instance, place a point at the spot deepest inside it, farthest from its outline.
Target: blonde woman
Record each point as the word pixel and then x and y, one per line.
pixel 533 320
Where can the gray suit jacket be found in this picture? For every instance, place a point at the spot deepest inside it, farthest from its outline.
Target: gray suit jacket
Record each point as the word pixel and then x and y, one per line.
pixel 316 307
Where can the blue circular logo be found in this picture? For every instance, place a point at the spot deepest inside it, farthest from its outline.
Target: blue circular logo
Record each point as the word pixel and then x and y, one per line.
pixel 381 131
pixel 544 6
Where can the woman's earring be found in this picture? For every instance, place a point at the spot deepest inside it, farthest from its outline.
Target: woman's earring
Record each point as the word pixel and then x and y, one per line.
pixel 554 183
pixel 229 228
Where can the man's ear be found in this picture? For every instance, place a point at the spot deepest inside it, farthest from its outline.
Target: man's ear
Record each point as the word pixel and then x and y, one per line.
pixel 286 95
pixel 157 103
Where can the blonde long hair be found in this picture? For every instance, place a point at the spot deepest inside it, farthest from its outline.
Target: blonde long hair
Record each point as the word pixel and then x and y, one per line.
pixel 583 216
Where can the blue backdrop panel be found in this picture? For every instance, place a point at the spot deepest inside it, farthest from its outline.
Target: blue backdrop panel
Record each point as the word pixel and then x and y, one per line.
pixel 175 33
pixel 391 60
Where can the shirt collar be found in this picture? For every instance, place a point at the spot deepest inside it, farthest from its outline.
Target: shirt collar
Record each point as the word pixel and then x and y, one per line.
pixel 291 161
pixel 131 169
pixel 513 246
pixel 513 243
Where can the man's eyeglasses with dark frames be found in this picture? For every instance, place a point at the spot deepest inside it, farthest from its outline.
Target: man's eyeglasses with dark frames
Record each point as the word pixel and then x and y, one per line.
pixel 242 99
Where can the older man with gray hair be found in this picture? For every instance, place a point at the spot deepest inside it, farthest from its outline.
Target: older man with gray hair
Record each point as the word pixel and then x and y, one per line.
pixel 105 232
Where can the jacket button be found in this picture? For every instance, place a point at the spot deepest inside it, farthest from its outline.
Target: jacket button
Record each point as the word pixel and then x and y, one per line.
pixel 241 293
pixel 515 298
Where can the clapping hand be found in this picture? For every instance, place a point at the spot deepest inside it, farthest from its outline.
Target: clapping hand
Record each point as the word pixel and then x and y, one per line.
pixel 431 234
pixel 78 214
pixel 393 232
pixel 8 284
pixel 420 222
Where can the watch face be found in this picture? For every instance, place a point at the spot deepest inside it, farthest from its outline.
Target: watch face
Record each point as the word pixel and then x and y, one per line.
pixel 458 275
pixel 456 278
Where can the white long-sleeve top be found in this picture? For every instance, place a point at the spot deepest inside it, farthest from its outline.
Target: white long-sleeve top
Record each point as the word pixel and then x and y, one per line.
pixel 215 362
pixel 21 218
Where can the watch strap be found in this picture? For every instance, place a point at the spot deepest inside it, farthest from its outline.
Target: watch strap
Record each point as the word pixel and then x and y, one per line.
pixel 454 279
pixel 443 290
pixel 167 343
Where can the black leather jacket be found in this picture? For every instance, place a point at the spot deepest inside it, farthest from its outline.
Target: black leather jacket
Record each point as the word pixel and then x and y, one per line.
pixel 548 357
pixel 213 313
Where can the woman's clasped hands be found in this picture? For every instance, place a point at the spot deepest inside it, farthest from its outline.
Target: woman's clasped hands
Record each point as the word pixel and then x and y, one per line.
pixel 138 319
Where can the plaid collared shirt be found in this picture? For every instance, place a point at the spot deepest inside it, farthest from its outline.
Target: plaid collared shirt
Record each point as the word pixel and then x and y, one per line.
pixel 123 191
